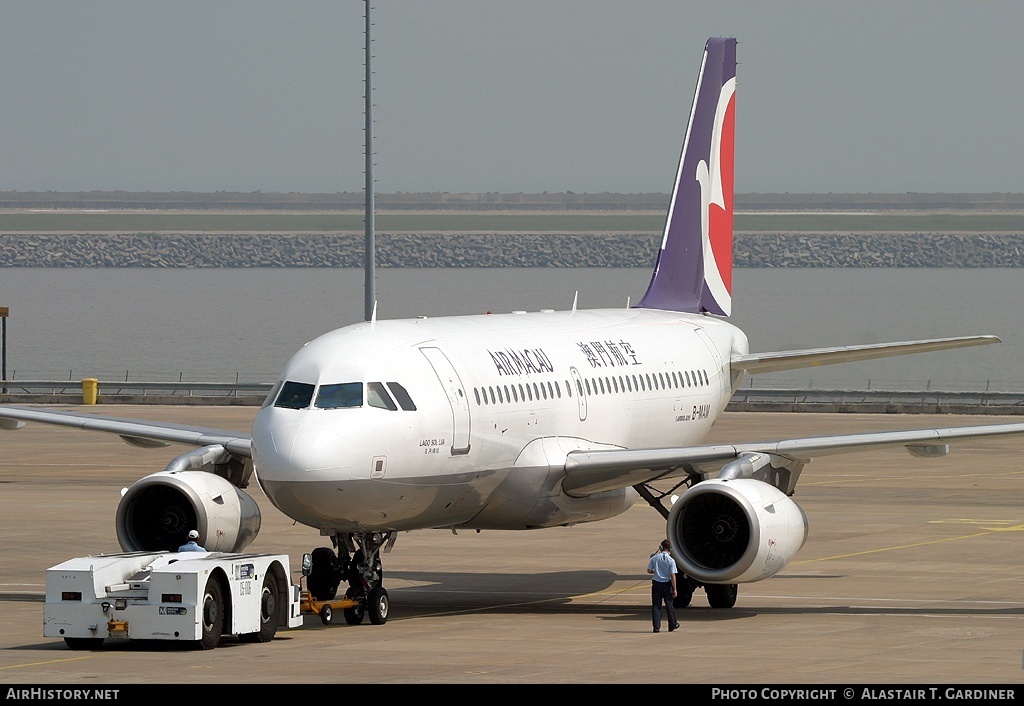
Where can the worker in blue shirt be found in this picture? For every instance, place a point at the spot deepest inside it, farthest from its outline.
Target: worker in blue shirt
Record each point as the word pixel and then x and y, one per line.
pixel 663 585
pixel 192 545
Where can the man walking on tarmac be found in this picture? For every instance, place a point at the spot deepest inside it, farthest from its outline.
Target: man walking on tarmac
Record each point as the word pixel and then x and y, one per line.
pixel 663 586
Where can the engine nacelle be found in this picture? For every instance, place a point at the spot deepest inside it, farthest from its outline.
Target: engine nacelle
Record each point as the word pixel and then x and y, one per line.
pixel 156 513
pixel 735 531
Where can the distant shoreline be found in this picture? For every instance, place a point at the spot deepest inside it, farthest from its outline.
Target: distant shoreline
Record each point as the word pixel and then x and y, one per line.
pixel 187 229
pixel 445 201
pixel 454 250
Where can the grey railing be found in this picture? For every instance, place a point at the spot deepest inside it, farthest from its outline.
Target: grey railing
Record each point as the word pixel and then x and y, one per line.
pixel 121 387
pixel 781 397
pixel 747 397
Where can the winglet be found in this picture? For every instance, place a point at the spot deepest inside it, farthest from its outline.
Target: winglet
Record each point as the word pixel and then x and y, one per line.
pixel 694 268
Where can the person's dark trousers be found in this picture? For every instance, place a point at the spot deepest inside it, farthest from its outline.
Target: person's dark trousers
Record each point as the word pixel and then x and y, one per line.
pixel 661 592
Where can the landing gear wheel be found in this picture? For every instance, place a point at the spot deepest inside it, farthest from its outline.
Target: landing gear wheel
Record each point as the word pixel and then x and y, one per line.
pixel 322 581
pixel 377 605
pixel 212 616
pixel 722 595
pixel 683 597
pixel 83 643
pixel 268 614
pixel 354 616
pixel 326 615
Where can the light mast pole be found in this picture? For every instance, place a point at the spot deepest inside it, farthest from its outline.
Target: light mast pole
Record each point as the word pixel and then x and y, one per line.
pixel 370 245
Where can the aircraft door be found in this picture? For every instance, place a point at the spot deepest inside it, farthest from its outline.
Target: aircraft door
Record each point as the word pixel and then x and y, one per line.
pixel 723 375
pixel 457 397
pixel 581 393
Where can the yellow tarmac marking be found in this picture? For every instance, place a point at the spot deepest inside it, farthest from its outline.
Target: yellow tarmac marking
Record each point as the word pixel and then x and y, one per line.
pixel 51 661
pixel 889 549
pixel 985 523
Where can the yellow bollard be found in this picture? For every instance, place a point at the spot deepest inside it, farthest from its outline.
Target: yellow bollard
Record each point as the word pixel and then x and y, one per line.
pixel 90 390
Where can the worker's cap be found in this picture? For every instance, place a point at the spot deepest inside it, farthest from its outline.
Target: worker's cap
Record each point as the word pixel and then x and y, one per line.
pixel 193 534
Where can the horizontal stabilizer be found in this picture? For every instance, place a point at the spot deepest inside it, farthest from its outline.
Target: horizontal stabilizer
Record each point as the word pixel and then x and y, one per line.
pixel 755 363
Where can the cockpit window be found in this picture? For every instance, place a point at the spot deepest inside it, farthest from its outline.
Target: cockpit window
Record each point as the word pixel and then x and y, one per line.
pixel 400 393
pixel 295 395
pixel 377 396
pixel 345 394
pixel 273 394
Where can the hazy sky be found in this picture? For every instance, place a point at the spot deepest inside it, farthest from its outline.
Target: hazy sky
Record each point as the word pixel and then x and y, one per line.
pixel 494 95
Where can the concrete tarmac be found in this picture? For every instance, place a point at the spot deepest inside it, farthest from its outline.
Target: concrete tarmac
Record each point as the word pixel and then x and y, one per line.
pixel 913 573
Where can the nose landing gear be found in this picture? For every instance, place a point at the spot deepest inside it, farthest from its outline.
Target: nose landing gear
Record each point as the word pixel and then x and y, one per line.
pixel 358 563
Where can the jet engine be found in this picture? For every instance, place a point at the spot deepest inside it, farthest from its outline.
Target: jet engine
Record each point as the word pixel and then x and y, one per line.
pixel 735 531
pixel 157 512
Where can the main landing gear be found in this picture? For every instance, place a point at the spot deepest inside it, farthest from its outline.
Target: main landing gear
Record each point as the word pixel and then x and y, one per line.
pixel 357 563
pixel 720 595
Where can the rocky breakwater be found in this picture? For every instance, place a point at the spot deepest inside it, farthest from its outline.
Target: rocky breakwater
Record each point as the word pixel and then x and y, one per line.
pixel 499 250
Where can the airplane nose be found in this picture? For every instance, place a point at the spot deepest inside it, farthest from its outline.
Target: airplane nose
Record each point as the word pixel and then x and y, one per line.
pixel 290 442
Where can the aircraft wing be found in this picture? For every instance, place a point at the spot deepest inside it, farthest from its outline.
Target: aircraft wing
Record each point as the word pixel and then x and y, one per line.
pixel 133 431
pixel 589 472
pixel 754 363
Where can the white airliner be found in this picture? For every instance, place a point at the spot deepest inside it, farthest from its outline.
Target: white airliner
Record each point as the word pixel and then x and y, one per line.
pixel 522 420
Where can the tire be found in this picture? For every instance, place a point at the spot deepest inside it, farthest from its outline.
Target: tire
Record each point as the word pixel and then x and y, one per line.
pixel 322 581
pixel 722 595
pixel 377 605
pixel 354 616
pixel 268 613
pixel 212 615
pixel 684 591
pixel 83 643
pixel 326 615
pixel 683 597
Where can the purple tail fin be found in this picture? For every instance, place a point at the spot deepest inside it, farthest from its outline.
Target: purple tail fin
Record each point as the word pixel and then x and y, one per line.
pixel 694 268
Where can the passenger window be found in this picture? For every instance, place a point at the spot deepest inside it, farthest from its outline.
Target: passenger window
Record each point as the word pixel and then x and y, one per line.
pixel 340 396
pixel 295 395
pixel 402 395
pixel 377 396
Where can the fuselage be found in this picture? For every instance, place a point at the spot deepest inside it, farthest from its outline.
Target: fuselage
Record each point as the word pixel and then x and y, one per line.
pixel 466 421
